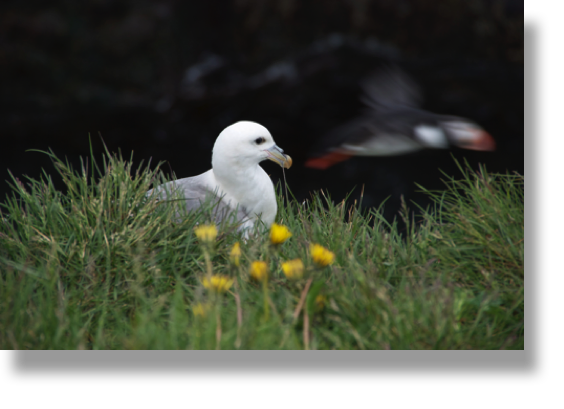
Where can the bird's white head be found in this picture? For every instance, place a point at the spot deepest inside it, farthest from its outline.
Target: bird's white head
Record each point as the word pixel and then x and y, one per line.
pixel 246 144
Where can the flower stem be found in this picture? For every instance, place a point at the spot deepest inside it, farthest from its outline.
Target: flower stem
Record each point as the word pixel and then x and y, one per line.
pixel 207 258
pixel 265 293
pixel 218 327
pixel 306 328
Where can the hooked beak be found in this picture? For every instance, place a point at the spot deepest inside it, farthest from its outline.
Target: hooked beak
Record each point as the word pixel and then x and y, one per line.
pixel 276 154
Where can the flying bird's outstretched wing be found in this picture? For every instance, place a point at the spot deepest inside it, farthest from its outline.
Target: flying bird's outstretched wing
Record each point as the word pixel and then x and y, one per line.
pixel 390 89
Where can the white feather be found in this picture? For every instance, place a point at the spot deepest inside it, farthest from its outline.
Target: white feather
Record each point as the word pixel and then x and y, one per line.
pixel 431 136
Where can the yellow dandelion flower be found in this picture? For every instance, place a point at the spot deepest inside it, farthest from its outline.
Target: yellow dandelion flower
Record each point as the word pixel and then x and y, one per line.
pixel 279 233
pixel 218 283
pixel 320 301
pixel 321 256
pixel 293 269
pixel 235 254
pixel 200 310
pixel 206 232
pixel 259 270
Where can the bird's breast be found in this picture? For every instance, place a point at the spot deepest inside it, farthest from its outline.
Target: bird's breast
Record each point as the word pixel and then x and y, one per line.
pixel 254 191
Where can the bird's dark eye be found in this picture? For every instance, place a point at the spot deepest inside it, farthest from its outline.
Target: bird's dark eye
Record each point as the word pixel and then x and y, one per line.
pixel 260 140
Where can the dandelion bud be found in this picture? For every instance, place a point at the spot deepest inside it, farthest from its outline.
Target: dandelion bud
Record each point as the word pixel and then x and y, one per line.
pixel 259 270
pixel 218 283
pixel 206 233
pixel 235 254
pixel 293 269
pixel 320 301
pixel 279 234
pixel 321 256
pixel 200 310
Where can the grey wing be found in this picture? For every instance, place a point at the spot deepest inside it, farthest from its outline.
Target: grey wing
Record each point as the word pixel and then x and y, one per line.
pixel 189 190
pixel 390 88
pixel 196 196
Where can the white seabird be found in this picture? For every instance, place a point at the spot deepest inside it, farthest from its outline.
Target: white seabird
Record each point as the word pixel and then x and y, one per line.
pixel 235 184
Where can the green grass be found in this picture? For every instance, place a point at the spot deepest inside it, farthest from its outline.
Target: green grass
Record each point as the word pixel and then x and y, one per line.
pixel 100 267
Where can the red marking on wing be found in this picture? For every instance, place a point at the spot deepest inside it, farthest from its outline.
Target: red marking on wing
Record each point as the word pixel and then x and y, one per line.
pixel 323 162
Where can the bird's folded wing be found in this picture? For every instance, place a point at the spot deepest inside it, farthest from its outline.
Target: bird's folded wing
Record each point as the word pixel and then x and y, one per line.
pixel 197 195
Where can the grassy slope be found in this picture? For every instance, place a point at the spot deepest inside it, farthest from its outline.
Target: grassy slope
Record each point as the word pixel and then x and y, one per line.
pixel 99 267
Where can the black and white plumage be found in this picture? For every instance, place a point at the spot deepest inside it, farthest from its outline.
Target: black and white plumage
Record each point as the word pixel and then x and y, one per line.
pixel 236 184
pixel 394 125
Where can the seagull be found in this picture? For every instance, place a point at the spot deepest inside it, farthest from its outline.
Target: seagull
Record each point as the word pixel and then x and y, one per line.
pixel 235 185
pixel 394 125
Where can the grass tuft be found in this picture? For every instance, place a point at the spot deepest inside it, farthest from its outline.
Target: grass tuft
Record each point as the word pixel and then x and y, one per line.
pixel 103 267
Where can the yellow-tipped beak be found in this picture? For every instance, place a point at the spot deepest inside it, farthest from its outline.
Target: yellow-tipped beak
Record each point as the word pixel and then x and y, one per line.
pixel 277 155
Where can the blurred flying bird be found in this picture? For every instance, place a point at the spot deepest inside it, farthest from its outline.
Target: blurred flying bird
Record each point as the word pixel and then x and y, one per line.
pixel 392 124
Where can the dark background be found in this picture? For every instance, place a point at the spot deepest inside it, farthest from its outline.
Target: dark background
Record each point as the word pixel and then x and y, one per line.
pixel 163 78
